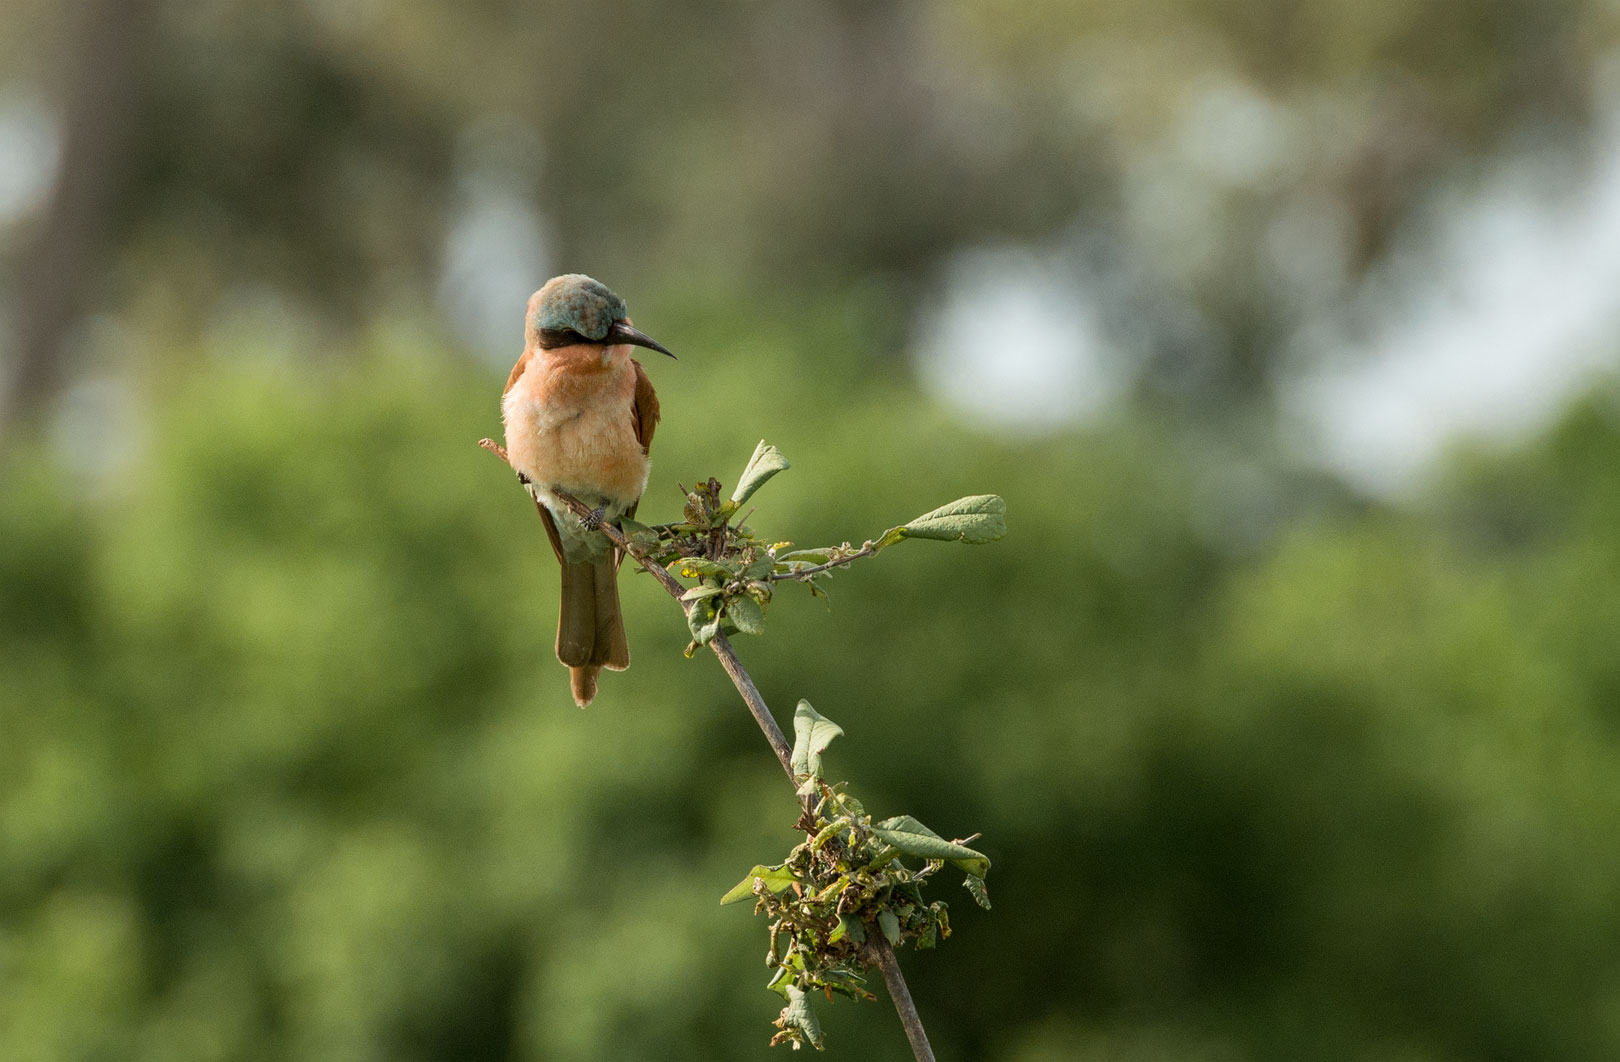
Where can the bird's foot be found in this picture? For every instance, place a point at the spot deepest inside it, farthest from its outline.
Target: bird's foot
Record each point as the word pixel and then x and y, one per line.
pixel 593 519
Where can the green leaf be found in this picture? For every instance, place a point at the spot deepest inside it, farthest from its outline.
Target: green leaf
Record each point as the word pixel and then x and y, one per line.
pixel 698 593
pixel 776 879
pixel 798 1015
pixel 703 622
pixel 834 887
pixel 976 519
pixel 812 733
pixel 913 838
pixel 847 927
pixel 766 462
pixel 889 538
pixel 639 534
pixel 828 832
pixel 975 886
pixel 888 855
pixel 691 566
pixel 806 556
pixel 744 613
pixel 890 925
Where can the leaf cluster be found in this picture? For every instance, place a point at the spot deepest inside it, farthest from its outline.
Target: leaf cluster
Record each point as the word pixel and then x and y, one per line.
pixel 847 882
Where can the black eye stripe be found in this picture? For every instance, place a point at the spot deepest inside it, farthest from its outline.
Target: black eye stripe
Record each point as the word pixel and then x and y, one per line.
pixel 551 338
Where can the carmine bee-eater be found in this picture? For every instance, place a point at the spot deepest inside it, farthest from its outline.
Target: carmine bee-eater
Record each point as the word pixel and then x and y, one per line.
pixel 579 414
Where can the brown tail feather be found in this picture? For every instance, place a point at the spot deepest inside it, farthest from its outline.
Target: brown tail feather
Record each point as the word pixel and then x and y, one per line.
pixel 582 680
pixel 612 651
pixel 576 619
pixel 590 627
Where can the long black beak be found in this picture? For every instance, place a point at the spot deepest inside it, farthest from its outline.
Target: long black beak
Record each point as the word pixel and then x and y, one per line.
pixel 623 333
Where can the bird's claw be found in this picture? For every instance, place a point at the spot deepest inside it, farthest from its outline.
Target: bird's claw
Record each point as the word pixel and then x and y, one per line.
pixel 593 519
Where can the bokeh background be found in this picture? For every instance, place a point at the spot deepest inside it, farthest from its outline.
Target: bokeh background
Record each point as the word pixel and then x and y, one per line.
pixel 1289 709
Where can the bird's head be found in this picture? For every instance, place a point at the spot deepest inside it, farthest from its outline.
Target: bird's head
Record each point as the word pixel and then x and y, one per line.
pixel 573 308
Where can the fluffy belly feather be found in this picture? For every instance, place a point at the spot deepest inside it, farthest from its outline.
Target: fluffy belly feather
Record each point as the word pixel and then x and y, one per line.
pixel 602 459
pixel 574 431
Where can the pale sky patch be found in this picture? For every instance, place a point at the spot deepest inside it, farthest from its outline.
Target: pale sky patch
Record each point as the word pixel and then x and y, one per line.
pixel 1013 342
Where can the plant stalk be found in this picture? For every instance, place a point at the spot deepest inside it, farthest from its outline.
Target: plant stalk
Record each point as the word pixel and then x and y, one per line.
pixel 756 704
pixel 901 995
pixel 804 573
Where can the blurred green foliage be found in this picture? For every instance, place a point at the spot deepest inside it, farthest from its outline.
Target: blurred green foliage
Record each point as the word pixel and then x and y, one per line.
pixel 288 771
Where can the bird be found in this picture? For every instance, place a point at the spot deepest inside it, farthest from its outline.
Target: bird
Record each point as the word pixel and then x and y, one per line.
pixel 579 414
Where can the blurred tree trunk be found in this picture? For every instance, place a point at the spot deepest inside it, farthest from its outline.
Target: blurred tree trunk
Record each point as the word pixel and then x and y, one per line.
pixel 106 82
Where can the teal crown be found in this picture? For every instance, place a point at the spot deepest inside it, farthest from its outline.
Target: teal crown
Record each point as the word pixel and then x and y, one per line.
pixel 575 302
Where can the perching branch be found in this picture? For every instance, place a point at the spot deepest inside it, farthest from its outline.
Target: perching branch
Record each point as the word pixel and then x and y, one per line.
pixel 895 981
pixel 878 947
pixel 756 704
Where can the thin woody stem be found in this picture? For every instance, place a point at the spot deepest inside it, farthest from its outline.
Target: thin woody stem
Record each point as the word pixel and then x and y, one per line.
pixel 756 704
pixel 803 573
pixel 878 947
pixel 895 981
